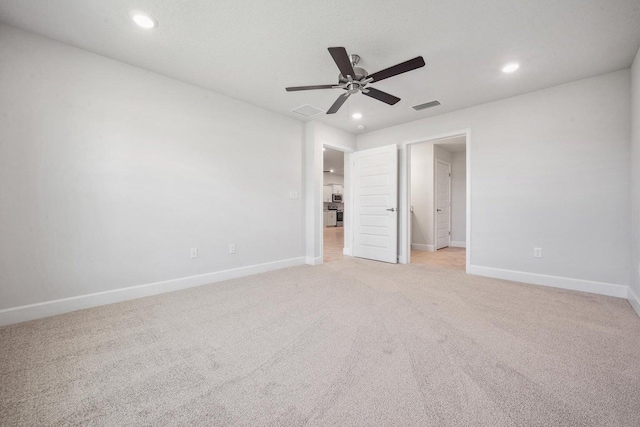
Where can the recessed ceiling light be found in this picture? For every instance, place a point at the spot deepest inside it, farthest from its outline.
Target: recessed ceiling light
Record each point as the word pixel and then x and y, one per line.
pixel 510 68
pixel 331 170
pixel 360 127
pixel 356 116
pixel 143 20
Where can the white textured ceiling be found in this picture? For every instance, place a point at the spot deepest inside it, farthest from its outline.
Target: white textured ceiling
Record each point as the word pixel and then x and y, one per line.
pixel 251 50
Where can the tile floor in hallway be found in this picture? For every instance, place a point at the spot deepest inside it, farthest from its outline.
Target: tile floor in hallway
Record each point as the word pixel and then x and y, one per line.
pixel 333 243
pixel 451 258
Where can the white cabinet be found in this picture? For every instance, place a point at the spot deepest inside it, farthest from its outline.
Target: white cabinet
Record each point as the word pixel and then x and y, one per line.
pixel 338 189
pixel 327 191
pixel 330 218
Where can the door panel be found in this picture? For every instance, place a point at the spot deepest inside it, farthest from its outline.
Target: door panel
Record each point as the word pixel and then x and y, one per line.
pixel 375 193
pixel 443 204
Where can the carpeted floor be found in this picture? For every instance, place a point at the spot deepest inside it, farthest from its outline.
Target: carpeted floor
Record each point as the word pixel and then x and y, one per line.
pixel 352 342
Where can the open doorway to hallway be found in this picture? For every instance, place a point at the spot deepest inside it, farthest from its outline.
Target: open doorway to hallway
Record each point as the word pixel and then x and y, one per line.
pixel 438 203
pixel 333 204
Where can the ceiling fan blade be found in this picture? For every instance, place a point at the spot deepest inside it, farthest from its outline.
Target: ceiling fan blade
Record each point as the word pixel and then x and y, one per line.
pixel 339 55
pixel 295 88
pixel 336 105
pixel 381 96
pixel 403 67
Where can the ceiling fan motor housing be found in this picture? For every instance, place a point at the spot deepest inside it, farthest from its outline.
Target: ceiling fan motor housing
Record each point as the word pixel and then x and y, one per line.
pixel 361 73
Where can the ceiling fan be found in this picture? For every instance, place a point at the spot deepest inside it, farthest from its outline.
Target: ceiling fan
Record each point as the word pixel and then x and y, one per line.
pixel 354 79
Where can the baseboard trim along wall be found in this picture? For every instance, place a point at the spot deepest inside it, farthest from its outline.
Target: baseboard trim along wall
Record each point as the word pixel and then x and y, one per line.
pixel 313 261
pixel 601 288
pixel 421 247
pixel 51 308
pixel 634 301
pixel 458 244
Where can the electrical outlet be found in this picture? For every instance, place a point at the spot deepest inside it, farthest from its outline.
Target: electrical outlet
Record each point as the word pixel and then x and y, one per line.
pixel 537 252
pixel 232 248
pixel 294 195
pixel 194 253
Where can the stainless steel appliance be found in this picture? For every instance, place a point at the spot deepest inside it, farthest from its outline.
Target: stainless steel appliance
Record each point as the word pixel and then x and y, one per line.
pixel 339 215
pixel 336 198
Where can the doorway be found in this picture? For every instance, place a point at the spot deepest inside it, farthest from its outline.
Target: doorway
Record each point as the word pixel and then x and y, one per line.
pixel 437 202
pixel 333 204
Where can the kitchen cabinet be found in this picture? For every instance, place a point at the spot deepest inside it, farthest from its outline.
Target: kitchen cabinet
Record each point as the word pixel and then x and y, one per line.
pixel 330 218
pixel 338 189
pixel 327 191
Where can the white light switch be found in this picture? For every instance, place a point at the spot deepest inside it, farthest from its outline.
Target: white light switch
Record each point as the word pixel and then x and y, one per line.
pixel 294 195
pixel 194 253
pixel 537 252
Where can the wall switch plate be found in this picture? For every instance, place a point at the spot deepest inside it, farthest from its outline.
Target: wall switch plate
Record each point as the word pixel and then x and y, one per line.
pixel 294 195
pixel 537 252
pixel 194 253
pixel 232 248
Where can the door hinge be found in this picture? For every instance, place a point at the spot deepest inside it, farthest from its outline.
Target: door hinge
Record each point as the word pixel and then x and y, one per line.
pixel 449 233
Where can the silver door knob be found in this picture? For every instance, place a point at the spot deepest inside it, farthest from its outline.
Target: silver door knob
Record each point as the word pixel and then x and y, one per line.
pixel 391 209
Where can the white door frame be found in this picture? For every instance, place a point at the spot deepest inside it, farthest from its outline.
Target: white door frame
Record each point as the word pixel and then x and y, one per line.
pixel 347 220
pixel 405 190
pixel 435 201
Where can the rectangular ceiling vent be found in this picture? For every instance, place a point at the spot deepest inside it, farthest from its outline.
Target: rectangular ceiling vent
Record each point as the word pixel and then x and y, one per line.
pixel 426 105
pixel 307 110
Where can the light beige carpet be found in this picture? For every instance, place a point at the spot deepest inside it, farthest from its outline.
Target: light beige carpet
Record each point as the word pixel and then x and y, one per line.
pixel 352 342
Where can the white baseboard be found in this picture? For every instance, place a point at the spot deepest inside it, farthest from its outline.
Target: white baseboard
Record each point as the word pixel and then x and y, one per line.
pixel 313 261
pixel 634 301
pixel 421 247
pixel 601 288
pixel 346 251
pixel 50 308
pixel 458 244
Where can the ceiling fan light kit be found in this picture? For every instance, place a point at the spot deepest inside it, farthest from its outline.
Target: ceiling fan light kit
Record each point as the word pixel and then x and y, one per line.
pixel 353 79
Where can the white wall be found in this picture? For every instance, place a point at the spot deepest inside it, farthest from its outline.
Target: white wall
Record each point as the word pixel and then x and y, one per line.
pixel 109 174
pixel 634 295
pixel 318 135
pixel 459 197
pixel 548 169
pixel 422 197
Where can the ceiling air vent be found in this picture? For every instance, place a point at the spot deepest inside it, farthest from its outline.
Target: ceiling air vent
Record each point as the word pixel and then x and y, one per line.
pixel 307 110
pixel 426 105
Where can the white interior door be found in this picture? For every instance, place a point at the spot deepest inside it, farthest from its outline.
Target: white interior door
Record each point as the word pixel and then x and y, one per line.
pixel 375 204
pixel 443 204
